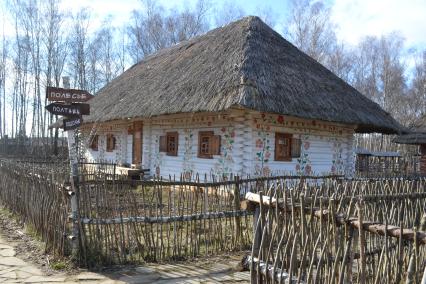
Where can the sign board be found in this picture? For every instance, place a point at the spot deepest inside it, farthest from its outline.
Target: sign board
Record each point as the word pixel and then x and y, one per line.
pixel 72 123
pixel 66 110
pixel 67 95
pixel 84 108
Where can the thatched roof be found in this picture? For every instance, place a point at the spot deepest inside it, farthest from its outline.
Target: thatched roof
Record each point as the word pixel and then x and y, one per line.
pixel 245 64
pixel 416 134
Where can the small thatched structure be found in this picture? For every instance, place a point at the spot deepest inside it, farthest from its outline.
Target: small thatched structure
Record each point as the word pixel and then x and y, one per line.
pixel 245 65
pixel 416 135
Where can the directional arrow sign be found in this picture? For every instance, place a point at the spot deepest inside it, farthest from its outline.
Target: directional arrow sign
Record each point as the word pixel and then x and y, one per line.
pixel 84 108
pixel 67 95
pixel 67 110
pixel 72 123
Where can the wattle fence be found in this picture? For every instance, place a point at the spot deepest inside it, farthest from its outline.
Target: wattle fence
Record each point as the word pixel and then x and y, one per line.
pixel 308 229
pixel 351 232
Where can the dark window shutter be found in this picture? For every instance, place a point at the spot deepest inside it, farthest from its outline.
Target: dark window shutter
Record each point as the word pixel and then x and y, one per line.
pixel 283 147
pixel 205 144
pixel 215 149
pixel 296 145
pixel 172 143
pixel 110 143
pixel 163 143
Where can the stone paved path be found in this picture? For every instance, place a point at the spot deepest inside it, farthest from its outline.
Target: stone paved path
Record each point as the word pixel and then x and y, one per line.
pixel 15 270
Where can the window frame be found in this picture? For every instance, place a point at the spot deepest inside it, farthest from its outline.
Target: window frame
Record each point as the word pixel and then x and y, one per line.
pixel 288 157
pixel 110 138
pixel 213 144
pixel 170 135
pixel 209 135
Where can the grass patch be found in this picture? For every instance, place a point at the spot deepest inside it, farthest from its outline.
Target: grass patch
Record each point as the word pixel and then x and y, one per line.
pixel 31 231
pixel 59 265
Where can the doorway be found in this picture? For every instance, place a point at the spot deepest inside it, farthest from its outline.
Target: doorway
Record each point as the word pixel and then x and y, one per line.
pixel 137 143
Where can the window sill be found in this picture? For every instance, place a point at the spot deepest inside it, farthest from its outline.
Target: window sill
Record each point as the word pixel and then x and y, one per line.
pixel 284 160
pixel 205 157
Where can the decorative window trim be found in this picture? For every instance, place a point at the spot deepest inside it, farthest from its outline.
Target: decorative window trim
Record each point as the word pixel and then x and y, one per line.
pixel 169 143
pixel 110 142
pixel 208 144
pixel 94 143
pixel 292 148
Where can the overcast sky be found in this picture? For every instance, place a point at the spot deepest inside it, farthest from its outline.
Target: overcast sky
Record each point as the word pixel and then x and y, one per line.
pixel 354 18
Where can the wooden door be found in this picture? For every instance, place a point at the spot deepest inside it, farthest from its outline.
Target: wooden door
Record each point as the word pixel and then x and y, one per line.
pixel 137 143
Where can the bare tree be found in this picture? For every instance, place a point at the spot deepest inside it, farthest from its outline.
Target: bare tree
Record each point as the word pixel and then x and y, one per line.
pixel 55 53
pixel 267 15
pixel 104 41
pixel 79 42
pixel 154 28
pixel 310 29
pixel 340 61
pixel 3 56
pixel 418 85
pixel 228 12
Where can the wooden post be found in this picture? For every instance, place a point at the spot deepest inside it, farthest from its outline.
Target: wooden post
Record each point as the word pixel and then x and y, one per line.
pixel 257 238
pixel 72 152
pixel 238 237
pixel 411 272
pixel 72 156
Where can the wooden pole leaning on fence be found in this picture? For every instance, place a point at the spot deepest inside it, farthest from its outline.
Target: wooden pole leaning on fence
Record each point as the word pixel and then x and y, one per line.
pixel 72 148
pixel 340 219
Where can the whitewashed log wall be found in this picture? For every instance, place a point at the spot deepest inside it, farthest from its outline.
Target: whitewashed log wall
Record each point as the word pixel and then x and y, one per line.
pixel 247 145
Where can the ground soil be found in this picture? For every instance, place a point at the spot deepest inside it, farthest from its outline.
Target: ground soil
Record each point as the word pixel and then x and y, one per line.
pixel 27 247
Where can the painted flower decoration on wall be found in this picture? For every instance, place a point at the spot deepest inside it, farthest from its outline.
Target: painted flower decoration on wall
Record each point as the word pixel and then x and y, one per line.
pixel 259 143
pixel 266 171
pixel 280 119
pixel 267 155
pixel 308 169
pixel 306 145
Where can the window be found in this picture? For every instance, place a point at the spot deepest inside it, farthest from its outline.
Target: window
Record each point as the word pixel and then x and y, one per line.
pixel 110 143
pixel 286 147
pixel 208 144
pixel 94 143
pixel 169 143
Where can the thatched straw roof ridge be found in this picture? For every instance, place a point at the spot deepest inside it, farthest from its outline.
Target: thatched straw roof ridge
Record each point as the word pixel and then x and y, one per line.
pixel 244 64
pixel 416 135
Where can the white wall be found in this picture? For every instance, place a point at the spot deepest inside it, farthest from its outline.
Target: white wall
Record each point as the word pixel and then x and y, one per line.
pixel 118 155
pixel 326 147
pixel 186 160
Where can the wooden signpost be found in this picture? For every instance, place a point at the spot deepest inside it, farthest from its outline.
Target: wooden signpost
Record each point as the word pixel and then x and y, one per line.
pixel 55 94
pixel 69 103
pixel 72 123
pixel 73 110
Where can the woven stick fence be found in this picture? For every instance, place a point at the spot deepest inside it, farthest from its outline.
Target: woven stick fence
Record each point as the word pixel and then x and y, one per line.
pixel 34 191
pixel 339 232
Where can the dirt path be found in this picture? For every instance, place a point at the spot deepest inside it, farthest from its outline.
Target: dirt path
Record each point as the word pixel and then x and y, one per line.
pixel 15 270
pixel 22 260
